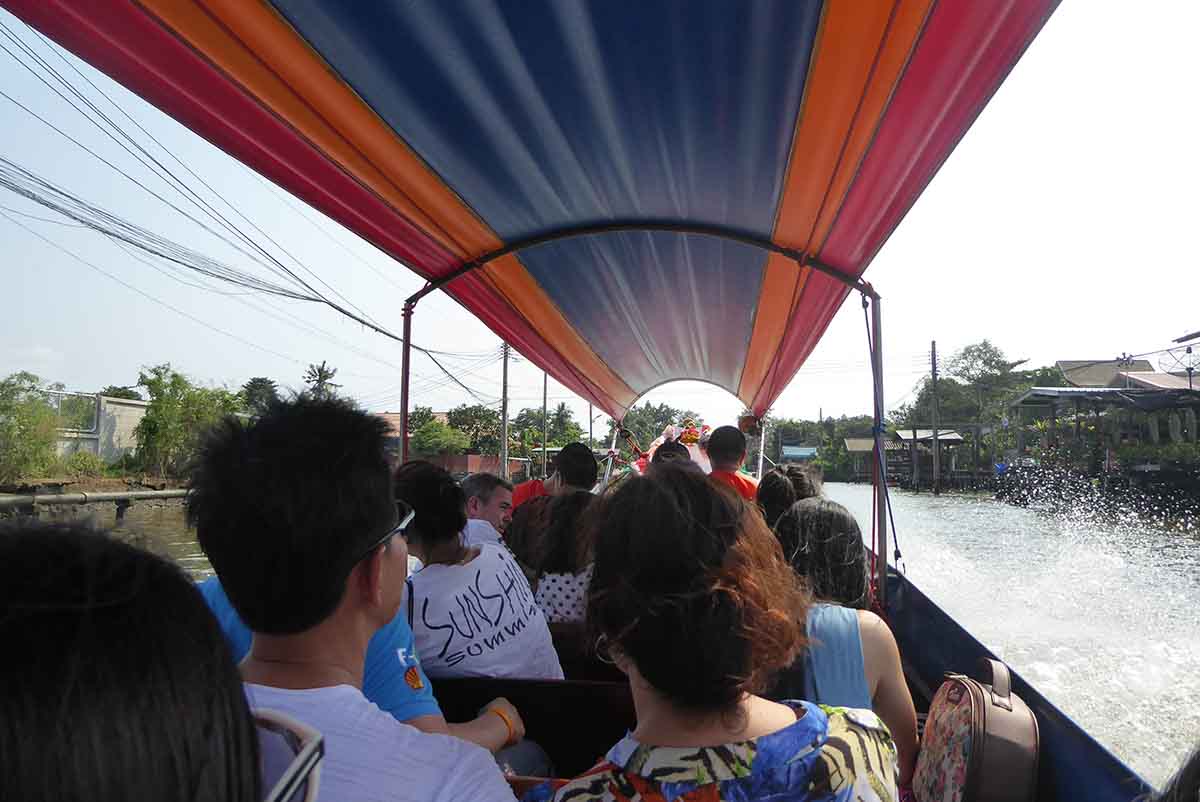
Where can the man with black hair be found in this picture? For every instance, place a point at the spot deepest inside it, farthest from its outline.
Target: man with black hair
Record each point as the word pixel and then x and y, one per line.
pixel 295 513
pixel 727 453
pixel 489 508
pixel 575 470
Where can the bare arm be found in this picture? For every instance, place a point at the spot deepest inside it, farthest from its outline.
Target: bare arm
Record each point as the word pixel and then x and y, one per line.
pixel 488 730
pixel 889 692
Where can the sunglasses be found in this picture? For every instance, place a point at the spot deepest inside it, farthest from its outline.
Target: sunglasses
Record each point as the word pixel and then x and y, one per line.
pixel 405 515
pixel 291 754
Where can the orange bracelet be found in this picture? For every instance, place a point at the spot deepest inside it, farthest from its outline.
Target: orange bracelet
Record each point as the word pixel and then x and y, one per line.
pixel 507 723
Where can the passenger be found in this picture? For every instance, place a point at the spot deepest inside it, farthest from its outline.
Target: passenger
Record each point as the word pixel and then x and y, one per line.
pixel 575 470
pixel 671 451
pixel 692 599
pixel 295 513
pixel 564 567
pixel 775 495
pixel 1184 786
pixel 852 659
pixel 727 453
pixel 489 508
pixel 806 479
pixel 119 684
pixel 471 609
pixel 528 491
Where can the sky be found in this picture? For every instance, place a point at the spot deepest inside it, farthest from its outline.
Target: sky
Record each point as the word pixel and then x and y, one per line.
pixel 1060 228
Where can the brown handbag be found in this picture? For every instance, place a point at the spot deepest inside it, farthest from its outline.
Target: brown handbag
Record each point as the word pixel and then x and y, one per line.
pixel 980 742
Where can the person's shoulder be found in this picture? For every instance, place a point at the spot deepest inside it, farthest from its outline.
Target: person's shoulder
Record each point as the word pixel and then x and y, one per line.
pixel 590 786
pixel 858 741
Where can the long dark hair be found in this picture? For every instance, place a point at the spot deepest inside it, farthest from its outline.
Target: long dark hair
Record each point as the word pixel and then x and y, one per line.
pixel 822 541
pixel 119 684
pixel 562 547
pixel 775 495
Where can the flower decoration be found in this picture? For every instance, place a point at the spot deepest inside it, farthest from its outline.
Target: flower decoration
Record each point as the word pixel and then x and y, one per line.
pixel 690 435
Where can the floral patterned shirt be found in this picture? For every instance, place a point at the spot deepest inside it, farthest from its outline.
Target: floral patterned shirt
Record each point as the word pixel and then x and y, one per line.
pixel 829 755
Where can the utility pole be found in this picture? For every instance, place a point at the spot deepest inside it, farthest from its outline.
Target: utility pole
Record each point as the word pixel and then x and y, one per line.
pixel 545 424
pixel 591 443
pixel 504 415
pixel 937 460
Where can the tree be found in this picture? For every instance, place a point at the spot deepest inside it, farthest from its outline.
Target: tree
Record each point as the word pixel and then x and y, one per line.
pixel 563 428
pixel 979 363
pixel 178 414
pixel 118 391
pixel 27 428
pixel 419 417
pixel 259 393
pixel 481 424
pixel 435 437
pixel 646 422
pixel 319 379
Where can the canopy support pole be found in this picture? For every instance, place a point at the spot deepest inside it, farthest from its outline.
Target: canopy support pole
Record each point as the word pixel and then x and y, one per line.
pixel 881 497
pixel 405 362
pixel 762 448
pixel 612 450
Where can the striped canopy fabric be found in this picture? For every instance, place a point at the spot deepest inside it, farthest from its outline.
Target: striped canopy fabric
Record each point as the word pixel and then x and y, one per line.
pixel 442 131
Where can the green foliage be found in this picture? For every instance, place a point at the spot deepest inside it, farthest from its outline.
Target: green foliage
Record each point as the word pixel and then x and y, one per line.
pixel 27 428
pixel 435 437
pixel 177 416
pixel 319 379
pixel 419 417
pixel 646 422
pixel 258 394
pixel 1181 453
pixel 84 464
pixel 525 430
pixel 117 391
pixel 77 412
pixel 481 425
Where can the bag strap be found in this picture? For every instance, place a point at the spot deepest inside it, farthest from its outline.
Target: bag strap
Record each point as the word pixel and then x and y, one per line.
pixel 996 675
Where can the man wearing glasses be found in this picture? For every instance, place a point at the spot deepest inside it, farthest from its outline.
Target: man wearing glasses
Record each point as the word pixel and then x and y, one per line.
pixel 296 515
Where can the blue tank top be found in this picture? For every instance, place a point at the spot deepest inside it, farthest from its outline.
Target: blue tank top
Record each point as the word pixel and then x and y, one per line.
pixel 834 671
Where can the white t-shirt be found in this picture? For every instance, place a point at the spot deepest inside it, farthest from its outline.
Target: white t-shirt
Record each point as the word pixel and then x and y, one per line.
pixel 480 620
pixel 563 597
pixel 371 756
pixel 478 532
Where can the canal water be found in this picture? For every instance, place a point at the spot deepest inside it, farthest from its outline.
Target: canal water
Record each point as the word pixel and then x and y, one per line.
pixel 1101 617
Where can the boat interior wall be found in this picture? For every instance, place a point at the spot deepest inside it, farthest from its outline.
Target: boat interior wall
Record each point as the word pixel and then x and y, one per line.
pixel 1073 767
pixel 576 722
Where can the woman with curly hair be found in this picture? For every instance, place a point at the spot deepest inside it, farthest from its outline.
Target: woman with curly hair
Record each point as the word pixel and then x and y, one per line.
pixel 691 598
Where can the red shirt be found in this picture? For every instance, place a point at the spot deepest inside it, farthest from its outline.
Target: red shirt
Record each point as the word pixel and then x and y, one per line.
pixel 746 487
pixel 526 491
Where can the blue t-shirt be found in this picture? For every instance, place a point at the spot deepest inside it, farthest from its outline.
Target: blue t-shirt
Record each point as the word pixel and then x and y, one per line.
pixel 392 676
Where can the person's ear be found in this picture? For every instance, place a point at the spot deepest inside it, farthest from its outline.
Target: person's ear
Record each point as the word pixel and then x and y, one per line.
pixel 473 506
pixel 374 580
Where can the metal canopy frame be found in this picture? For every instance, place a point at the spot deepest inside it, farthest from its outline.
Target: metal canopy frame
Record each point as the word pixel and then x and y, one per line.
pixel 801 258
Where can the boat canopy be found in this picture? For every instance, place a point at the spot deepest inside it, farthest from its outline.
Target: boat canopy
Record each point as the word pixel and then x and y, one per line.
pixel 627 193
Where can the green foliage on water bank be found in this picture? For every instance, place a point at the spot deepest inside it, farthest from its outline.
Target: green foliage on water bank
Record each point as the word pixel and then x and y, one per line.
pixel 178 415
pixel 28 428
pixel 435 438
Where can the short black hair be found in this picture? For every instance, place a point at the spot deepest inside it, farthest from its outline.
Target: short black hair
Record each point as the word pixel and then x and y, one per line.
pixel 483 485
pixel 726 445
pixel 670 451
pixel 577 466
pixel 438 501
pixel 125 687
pixel 283 506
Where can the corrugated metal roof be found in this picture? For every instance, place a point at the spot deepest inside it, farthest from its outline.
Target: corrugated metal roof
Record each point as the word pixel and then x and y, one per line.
pixel 1097 372
pixel 865 445
pixel 944 435
pixel 1154 380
